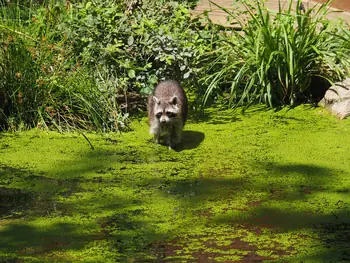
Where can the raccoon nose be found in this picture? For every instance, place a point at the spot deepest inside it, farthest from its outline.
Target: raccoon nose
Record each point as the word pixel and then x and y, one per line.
pixel 162 120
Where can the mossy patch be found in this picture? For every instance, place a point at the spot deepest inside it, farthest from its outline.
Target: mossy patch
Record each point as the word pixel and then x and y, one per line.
pixel 264 186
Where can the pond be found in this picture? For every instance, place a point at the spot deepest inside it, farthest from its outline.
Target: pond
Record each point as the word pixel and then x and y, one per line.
pixel 262 186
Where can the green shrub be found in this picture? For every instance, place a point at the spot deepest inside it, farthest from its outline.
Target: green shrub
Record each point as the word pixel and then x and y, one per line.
pixel 43 85
pixel 275 57
pixel 76 58
pixel 134 50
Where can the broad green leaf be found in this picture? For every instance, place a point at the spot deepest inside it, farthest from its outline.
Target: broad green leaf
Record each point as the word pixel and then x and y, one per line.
pixel 88 5
pixel 130 40
pixel 186 75
pixel 131 73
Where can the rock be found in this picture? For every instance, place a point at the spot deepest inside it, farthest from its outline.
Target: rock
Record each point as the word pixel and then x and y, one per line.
pixel 337 99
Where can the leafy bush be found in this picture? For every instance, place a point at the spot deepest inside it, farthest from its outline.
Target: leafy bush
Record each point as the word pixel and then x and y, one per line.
pixel 42 84
pixel 134 50
pixel 65 64
pixel 276 56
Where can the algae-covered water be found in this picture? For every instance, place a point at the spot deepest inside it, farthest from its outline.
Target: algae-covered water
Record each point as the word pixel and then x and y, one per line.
pixel 259 187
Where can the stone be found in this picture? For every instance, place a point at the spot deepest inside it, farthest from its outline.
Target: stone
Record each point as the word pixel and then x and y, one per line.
pixel 337 99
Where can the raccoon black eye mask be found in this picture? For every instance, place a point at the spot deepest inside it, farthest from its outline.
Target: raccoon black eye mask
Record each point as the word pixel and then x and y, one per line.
pixel 168 113
pixel 171 114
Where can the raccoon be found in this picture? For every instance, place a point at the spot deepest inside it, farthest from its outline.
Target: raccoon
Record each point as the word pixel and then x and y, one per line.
pixel 167 111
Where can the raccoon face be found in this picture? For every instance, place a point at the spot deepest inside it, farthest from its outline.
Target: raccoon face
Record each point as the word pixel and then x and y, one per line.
pixel 166 111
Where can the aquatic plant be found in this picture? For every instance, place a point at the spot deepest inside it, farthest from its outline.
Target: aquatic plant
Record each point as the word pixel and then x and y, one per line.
pixel 263 186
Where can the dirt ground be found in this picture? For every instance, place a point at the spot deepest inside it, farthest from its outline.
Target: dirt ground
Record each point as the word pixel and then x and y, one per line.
pixel 340 4
pixel 219 16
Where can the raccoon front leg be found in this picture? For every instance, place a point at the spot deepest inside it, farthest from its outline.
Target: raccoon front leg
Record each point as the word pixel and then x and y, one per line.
pixel 155 131
pixel 174 136
pixel 170 141
pixel 156 137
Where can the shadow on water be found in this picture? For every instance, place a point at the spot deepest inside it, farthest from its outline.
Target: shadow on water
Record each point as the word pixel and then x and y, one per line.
pixel 217 117
pixel 336 236
pixel 30 240
pixel 223 120
pixel 34 193
pixel 89 181
pixel 13 200
pixel 190 140
pixel 286 185
pixel 121 218
pixel 277 182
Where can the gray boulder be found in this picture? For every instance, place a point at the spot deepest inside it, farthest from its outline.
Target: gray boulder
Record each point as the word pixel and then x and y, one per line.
pixel 337 99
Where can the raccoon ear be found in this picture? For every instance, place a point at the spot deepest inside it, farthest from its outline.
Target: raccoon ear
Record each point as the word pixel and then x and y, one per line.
pixel 155 99
pixel 174 100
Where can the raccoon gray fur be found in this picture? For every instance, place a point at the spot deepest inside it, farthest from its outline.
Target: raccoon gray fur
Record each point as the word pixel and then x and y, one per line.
pixel 167 111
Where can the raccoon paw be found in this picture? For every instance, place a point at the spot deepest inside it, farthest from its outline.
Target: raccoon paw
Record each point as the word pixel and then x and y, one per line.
pixel 156 139
pixel 172 145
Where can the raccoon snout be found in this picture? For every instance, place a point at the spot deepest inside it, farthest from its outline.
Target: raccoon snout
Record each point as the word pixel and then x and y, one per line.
pixel 163 120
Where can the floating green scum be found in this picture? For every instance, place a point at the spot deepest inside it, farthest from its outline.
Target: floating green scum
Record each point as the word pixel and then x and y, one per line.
pixel 264 186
